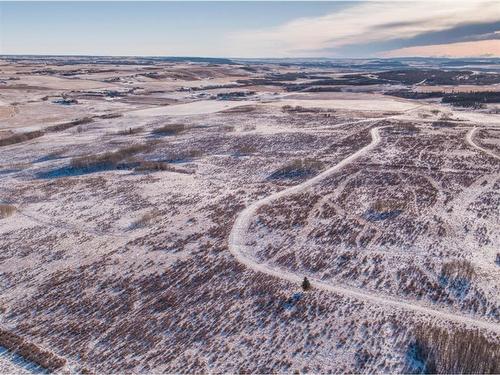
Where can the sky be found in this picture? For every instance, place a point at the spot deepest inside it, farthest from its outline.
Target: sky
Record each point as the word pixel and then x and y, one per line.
pixel 254 29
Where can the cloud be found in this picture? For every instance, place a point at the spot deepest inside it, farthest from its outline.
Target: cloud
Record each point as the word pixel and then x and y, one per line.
pixel 361 23
pixel 483 48
pixel 486 36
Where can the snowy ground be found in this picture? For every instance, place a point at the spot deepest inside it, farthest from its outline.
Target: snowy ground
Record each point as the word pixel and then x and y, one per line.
pixel 123 258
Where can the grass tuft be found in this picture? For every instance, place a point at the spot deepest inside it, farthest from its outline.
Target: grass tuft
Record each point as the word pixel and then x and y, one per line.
pixel 170 129
pixel 6 210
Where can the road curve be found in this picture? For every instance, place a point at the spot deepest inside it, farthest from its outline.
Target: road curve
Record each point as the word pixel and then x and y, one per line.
pixel 470 140
pixel 243 253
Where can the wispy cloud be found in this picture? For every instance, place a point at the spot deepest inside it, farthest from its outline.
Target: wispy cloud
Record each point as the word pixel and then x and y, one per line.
pixel 360 24
pixel 483 48
pixel 487 36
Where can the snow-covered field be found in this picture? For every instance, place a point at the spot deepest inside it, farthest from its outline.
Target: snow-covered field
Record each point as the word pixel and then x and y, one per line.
pixel 159 236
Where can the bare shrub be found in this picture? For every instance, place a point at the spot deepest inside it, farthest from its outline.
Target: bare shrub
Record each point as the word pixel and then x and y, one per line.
pixel 443 124
pixel 240 109
pixel 461 351
pixel 160 166
pixel 299 109
pixel 110 115
pixel 68 125
pixel 248 127
pixel 152 166
pixel 227 128
pixel 184 154
pixel 457 275
pixel 30 351
pixel 245 149
pixel 110 158
pixel 19 166
pixel 131 131
pixel 170 129
pixel 458 269
pixel 21 137
pixel 384 205
pixel 298 168
pixel 6 210
pixel 144 219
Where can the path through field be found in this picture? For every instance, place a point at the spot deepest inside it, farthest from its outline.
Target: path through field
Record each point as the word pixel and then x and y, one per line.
pixel 237 244
pixel 470 140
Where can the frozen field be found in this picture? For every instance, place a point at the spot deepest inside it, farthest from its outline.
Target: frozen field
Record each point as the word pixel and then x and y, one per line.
pixel 161 217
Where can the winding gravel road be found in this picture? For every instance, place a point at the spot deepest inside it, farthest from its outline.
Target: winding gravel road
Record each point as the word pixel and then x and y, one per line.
pixel 238 246
pixel 470 140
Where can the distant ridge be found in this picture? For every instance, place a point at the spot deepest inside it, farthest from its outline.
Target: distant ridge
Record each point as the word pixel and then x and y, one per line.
pixel 122 60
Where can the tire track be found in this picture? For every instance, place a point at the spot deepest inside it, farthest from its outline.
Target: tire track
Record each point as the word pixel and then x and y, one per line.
pixel 243 253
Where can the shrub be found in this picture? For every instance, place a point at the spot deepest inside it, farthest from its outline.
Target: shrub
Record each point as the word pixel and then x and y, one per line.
pixel 183 154
pixel 227 128
pixel 245 149
pixel 109 158
pixel 6 210
pixel 299 109
pixel 131 131
pixel 443 124
pixel 298 168
pixel 249 127
pixel 30 351
pixel 458 269
pixel 160 166
pixel 240 109
pixel 170 129
pixel 152 166
pixel 110 115
pixel 457 275
pixel 21 137
pixel 461 351
pixel 144 219
pixel 68 125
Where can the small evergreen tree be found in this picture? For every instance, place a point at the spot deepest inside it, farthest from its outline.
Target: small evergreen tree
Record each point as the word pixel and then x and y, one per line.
pixel 306 285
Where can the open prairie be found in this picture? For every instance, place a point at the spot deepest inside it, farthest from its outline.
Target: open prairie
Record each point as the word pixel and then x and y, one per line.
pixel 160 215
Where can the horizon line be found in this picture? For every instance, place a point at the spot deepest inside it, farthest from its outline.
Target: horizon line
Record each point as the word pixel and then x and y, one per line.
pixel 249 58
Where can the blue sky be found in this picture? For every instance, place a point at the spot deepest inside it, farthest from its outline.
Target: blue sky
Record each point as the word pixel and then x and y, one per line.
pixel 140 28
pixel 250 29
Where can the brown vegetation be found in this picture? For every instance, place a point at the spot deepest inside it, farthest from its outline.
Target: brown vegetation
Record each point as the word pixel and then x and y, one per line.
pixel 461 351
pixel 170 129
pixel 298 168
pixel 6 210
pixel 145 219
pixel 109 115
pixel 68 125
pixel 227 128
pixel 383 205
pixel 110 158
pixel 458 269
pixel 300 109
pixel 240 109
pixel 245 149
pixel 131 131
pixel 160 166
pixel 21 137
pixel 30 351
